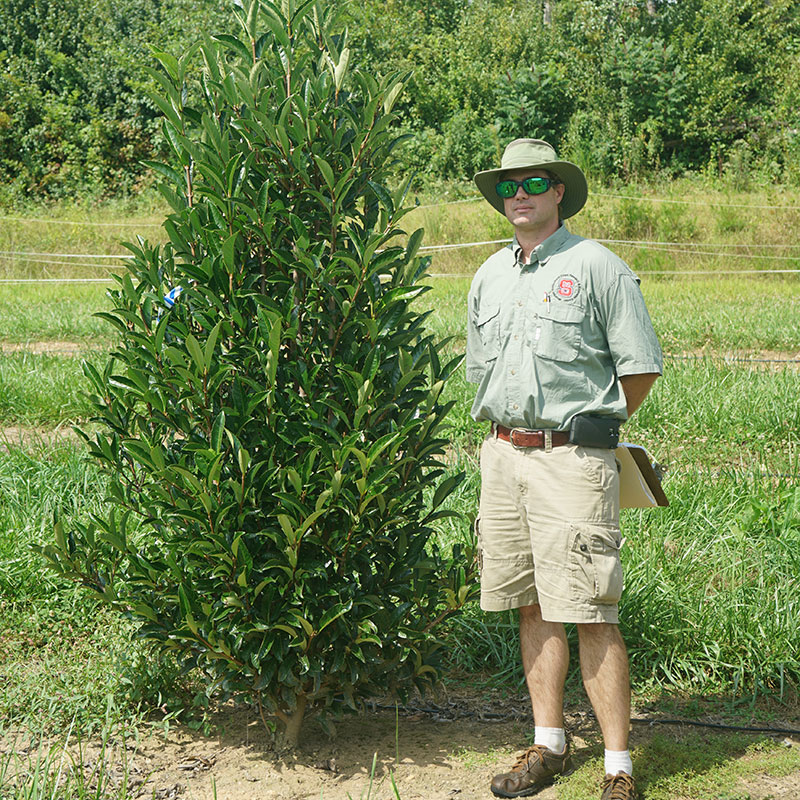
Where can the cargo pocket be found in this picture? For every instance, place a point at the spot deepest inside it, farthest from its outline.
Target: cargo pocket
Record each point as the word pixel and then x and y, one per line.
pixel 595 569
pixel 478 545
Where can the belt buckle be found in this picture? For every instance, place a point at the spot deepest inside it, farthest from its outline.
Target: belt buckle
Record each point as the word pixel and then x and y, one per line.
pixel 511 438
pixel 547 435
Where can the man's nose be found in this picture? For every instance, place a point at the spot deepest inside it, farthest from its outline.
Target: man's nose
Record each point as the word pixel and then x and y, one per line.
pixel 521 191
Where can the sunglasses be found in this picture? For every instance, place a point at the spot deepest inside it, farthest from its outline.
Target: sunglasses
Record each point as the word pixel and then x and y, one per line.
pixel 508 188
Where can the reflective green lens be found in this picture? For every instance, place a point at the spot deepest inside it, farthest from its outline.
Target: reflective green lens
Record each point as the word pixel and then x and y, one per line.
pixel 506 188
pixel 535 185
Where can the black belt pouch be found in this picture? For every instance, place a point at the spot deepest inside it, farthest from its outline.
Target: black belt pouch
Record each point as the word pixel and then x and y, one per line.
pixel 589 430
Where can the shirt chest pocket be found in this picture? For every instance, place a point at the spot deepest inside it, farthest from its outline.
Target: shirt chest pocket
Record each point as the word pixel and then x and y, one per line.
pixel 555 331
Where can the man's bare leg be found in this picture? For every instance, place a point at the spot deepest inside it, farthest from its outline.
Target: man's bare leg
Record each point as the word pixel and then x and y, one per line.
pixel 604 666
pixel 545 660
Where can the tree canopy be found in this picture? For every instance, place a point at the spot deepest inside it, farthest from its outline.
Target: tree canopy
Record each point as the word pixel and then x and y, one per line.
pixel 627 88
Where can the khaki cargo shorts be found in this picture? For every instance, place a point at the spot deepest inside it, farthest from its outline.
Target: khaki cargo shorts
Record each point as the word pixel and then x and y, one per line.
pixel 548 531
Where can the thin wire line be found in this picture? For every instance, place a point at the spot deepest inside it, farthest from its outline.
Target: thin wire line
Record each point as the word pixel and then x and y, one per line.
pixel 711 252
pixel 26 253
pixel 690 202
pixel 640 242
pixel 80 222
pixel 635 197
pixel 464 244
pixel 55 280
pixel 70 263
pixel 694 244
pixel 657 272
pixel 451 202
pixel 736 359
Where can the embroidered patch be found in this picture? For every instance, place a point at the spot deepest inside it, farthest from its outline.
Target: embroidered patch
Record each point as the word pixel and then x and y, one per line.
pixel 566 287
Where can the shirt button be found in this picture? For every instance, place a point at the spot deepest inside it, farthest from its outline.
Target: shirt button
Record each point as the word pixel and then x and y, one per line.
pixel 515 406
pixel 516 337
pixel 513 372
pixel 519 303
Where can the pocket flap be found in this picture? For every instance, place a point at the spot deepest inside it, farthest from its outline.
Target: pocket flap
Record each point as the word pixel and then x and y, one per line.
pixel 565 312
pixel 486 313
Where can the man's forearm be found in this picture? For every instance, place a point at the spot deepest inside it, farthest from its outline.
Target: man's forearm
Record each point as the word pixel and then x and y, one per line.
pixel 636 388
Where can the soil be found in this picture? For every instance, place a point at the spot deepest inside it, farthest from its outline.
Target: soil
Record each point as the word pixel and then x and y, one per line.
pixel 32 436
pixel 48 348
pixel 435 752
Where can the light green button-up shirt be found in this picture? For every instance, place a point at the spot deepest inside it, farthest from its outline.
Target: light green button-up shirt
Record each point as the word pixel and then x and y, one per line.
pixel 550 339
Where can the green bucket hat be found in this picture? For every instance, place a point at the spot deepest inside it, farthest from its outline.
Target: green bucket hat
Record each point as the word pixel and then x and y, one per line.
pixel 536 154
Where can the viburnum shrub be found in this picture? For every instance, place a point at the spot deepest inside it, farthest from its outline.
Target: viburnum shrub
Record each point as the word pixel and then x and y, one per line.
pixel 271 431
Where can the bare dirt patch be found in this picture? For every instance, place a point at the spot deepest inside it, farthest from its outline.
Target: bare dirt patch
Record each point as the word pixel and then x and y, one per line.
pixel 421 752
pixel 56 348
pixel 21 436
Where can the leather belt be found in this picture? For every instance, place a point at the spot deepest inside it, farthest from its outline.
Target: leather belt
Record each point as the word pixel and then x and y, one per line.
pixel 522 437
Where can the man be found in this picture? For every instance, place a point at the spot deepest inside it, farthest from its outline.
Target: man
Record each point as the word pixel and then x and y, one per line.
pixel 562 349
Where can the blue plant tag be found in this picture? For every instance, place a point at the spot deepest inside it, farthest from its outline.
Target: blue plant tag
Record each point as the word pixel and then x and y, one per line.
pixel 172 295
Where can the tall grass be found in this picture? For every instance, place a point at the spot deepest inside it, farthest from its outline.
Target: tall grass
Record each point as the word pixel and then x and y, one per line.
pixel 61 654
pixel 47 312
pixel 41 389
pixel 37 769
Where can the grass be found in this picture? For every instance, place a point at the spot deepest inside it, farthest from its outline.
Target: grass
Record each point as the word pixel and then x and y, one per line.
pixel 37 390
pixel 694 766
pixel 53 312
pixel 36 769
pixel 713 581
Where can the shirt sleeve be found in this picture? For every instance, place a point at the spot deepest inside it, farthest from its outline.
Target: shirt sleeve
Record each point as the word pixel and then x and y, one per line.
pixel 631 338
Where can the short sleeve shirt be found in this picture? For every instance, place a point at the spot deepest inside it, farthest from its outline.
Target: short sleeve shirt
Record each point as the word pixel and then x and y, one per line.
pixel 550 339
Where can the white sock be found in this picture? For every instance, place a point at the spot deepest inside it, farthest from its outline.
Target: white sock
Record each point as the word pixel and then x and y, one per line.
pixel 552 738
pixel 618 761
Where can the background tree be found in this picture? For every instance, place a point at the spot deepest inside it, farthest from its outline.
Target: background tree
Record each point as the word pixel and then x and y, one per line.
pixel 272 440
pixel 698 84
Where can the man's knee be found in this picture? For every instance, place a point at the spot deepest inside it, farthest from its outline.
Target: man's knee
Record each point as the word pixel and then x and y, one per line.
pixel 598 631
pixel 531 613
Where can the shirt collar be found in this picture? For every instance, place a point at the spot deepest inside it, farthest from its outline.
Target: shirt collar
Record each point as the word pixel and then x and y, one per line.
pixel 542 252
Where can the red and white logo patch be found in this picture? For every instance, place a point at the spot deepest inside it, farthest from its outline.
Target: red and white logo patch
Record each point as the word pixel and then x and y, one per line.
pixel 566 287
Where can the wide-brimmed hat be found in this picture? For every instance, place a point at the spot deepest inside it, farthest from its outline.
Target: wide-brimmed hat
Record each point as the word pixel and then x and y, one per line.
pixel 536 154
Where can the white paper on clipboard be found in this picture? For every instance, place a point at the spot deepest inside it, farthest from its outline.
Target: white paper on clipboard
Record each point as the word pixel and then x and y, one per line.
pixel 639 486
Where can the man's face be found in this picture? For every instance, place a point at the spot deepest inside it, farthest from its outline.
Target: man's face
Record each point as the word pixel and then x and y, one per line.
pixel 532 212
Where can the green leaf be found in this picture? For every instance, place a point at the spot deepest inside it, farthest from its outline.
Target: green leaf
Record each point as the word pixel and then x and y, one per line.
pixel 170 64
pixel 163 169
pixel 333 613
pixel 391 96
pixel 211 343
pixel 327 172
pixel 340 70
pixel 193 346
pixel 229 252
pixel 235 44
pixel 217 431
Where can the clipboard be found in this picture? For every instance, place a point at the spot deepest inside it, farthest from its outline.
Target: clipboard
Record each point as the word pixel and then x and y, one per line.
pixel 639 486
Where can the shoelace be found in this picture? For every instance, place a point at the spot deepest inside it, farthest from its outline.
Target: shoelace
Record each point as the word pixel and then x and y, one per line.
pixel 622 786
pixel 523 760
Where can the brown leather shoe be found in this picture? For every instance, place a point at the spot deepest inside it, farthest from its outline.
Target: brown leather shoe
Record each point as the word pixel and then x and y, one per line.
pixel 619 787
pixel 536 768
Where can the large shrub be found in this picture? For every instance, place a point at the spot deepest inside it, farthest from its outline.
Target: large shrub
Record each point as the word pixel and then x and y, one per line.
pixel 273 440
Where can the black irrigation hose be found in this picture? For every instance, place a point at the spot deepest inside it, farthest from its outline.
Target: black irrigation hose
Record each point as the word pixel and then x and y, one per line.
pixel 496 717
pixel 698 724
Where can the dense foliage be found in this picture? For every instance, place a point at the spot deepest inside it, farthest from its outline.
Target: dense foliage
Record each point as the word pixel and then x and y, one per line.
pixel 272 439
pixel 625 87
